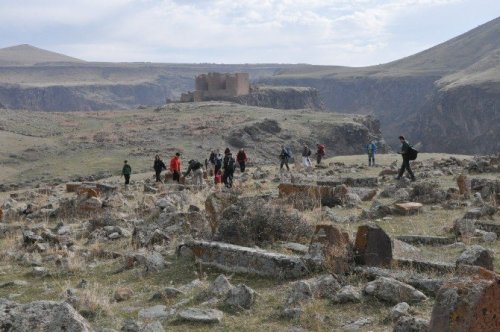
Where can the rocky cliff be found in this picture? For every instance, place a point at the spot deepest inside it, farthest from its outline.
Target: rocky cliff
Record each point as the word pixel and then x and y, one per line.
pixel 445 98
pixel 282 97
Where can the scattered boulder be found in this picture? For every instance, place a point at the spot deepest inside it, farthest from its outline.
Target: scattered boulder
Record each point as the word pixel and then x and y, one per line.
pixel 464 227
pixel 240 297
pixel 467 305
pixel 408 208
pixel 373 247
pixel 151 261
pixel 348 294
pixel 167 293
pixel 195 315
pixel 393 291
pixel 411 324
pixel 478 256
pixel 41 316
pixel 221 286
pixel 357 324
pixel 399 310
pixel 156 312
pixel 123 294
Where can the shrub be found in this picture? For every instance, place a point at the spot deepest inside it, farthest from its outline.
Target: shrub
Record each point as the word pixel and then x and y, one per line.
pixel 255 222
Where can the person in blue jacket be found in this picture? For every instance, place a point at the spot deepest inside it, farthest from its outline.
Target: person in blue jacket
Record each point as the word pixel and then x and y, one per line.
pixel 371 149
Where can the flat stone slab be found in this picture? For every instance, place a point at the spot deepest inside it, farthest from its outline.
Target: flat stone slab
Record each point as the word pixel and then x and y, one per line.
pixel 370 182
pixel 408 207
pixel 209 316
pixel 425 265
pixel 427 240
pixel 233 258
pixel 488 226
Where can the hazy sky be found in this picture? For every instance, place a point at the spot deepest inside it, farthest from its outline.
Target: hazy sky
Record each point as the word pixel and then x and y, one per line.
pixel 334 32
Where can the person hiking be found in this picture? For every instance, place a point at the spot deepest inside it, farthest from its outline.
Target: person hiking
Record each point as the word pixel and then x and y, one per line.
pixel 320 152
pixel 217 161
pixel 306 153
pixel 285 156
pixel 158 166
pixel 371 149
pixel 228 166
pixel 175 167
pixel 405 150
pixel 126 172
pixel 242 158
pixel 197 168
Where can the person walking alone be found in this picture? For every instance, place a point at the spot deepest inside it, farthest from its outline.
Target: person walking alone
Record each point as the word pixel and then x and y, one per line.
pixel 285 156
pixel 175 167
pixel 371 149
pixel 405 153
pixel 126 172
pixel 242 158
pixel 158 166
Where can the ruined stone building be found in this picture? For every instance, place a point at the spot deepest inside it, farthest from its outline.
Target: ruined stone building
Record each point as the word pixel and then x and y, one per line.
pixel 216 85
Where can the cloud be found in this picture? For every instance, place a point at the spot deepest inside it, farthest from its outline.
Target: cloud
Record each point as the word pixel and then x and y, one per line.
pixel 349 32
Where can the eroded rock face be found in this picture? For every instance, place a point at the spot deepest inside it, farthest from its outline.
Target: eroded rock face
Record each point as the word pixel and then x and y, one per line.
pixel 41 316
pixel 470 305
pixel 373 246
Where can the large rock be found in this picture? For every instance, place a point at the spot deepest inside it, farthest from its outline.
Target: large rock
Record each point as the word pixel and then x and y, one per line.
pixel 232 258
pixel 465 305
pixel 393 291
pixel 240 297
pixel 464 227
pixel 41 316
pixel 373 246
pixel 476 255
pixel 150 261
pixel 331 248
pixel 220 286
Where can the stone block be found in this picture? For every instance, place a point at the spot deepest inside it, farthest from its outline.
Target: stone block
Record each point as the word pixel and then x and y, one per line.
pixel 408 208
pixel 467 305
pixel 233 258
pixel 427 240
pixel 373 247
pixel 477 256
pixel 336 253
pixel 72 187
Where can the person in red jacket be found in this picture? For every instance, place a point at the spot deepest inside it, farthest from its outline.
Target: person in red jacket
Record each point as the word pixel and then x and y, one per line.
pixel 241 158
pixel 175 167
pixel 320 153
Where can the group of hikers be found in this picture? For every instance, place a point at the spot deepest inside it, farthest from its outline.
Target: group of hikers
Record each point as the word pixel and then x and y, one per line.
pixel 222 166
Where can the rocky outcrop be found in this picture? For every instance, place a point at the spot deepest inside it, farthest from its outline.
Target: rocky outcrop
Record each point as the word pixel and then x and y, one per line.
pixel 282 97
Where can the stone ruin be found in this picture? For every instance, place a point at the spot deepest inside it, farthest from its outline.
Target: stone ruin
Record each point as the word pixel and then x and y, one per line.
pixel 217 85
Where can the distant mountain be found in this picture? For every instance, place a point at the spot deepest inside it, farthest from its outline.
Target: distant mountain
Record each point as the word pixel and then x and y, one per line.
pixel 27 55
pixel 447 97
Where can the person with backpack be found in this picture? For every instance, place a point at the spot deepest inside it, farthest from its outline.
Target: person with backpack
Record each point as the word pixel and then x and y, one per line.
pixel 126 172
pixel 306 153
pixel 405 153
pixel 320 152
pixel 285 156
pixel 158 166
pixel 228 166
pixel 175 167
pixel 241 158
pixel 217 161
pixel 197 169
pixel 371 149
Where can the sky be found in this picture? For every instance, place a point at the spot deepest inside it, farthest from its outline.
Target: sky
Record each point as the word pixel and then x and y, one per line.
pixel 324 32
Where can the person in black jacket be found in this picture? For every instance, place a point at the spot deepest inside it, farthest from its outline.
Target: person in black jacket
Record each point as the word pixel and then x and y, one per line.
pixel 228 166
pixel 158 166
pixel 405 150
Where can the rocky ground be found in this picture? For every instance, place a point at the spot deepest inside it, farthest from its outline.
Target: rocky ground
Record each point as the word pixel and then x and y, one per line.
pixel 343 247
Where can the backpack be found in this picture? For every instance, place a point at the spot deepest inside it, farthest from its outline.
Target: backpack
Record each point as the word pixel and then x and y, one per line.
pixel 288 152
pixel 230 164
pixel 309 152
pixel 412 153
